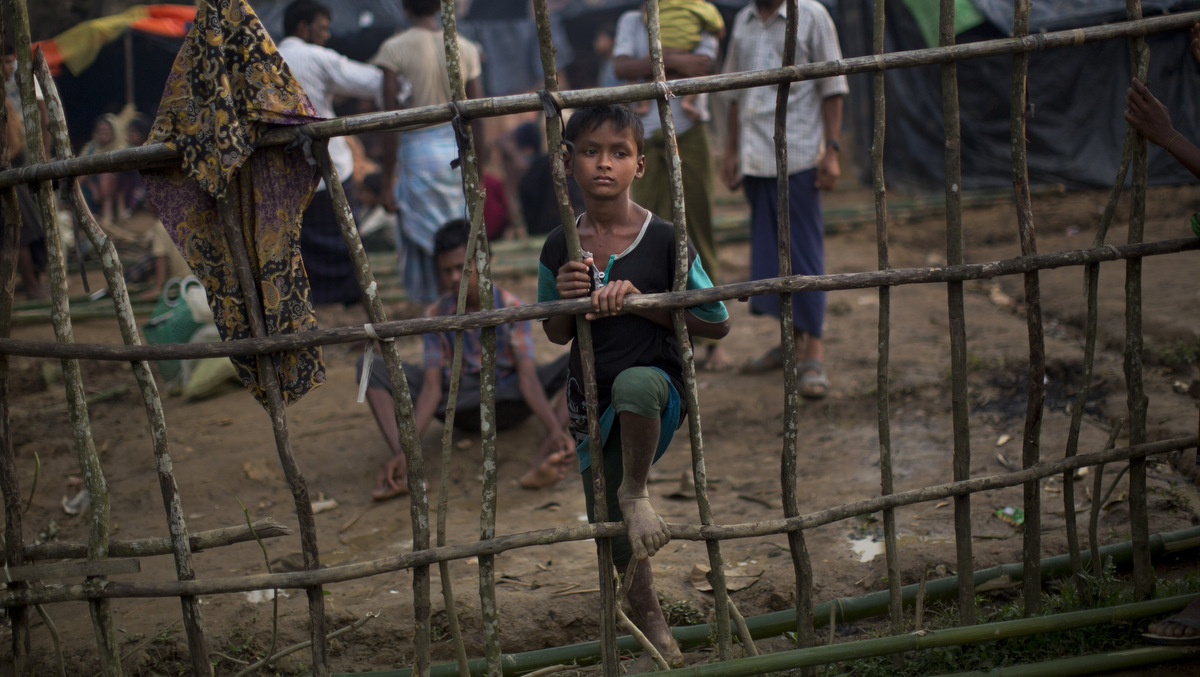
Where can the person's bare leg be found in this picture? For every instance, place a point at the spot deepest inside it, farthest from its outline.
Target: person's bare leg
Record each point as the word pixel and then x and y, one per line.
pixel 29 275
pixel 549 465
pixel 648 616
pixel 393 480
pixel 647 531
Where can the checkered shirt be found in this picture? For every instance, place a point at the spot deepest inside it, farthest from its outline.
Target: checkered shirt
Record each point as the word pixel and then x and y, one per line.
pixel 755 45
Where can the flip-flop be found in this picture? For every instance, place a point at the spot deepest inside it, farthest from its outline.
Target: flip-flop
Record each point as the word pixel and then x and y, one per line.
pixel 1180 619
pixel 813 383
pixel 768 361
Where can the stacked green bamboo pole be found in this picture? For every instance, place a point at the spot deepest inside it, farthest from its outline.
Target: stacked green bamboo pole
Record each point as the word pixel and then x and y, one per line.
pixel 882 381
pixel 583 338
pixel 721 602
pixel 176 522
pixel 957 316
pixel 1031 439
pixel 1143 575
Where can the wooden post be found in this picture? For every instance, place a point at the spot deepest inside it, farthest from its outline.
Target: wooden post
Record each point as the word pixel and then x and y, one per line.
pixel 957 319
pixel 609 658
pixel 113 275
pixel 230 205
pixel 1032 438
pixel 882 380
pixel 721 605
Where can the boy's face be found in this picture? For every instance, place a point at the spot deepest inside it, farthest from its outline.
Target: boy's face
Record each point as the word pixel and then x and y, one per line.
pixel 605 161
pixel 449 269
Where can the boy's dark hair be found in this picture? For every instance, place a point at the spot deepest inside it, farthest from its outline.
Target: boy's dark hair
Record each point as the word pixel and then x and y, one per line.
pixel 422 8
pixel 592 117
pixel 302 12
pixel 452 235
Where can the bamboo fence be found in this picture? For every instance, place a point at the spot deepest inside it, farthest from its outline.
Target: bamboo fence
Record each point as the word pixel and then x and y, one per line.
pixel 104 557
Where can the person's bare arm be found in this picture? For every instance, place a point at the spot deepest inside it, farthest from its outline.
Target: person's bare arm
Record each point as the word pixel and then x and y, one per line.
pixel 574 280
pixel 1151 119
pixel 391 142
pixel 535 396
pixel 829 168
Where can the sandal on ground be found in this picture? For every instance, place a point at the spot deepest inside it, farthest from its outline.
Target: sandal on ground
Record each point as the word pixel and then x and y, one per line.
pixel 813 384
pixel 1189 619
pixel 768 361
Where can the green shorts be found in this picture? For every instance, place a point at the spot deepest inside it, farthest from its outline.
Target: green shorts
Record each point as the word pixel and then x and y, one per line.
pixel 645 391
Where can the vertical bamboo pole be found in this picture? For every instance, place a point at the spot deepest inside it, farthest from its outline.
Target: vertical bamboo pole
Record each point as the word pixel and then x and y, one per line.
pixel 1031 440
pixel 231 204
pixel 882 383
pixel 176 522
pixel 1143 574
pixel 801 564
pixel 957 318
pixel 1091 282
pixel 402 404
pixel 10 486
pixel 85 448
pixel 477 258
pixel 583 336
pixel 691 396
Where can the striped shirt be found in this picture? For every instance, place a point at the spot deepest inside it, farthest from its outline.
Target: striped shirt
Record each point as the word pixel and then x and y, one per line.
pixel 755 45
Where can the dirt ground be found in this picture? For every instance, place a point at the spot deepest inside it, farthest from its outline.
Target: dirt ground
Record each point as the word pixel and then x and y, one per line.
pixel 224 456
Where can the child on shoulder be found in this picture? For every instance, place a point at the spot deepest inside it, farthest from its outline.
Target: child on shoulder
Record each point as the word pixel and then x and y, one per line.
pixel 638 366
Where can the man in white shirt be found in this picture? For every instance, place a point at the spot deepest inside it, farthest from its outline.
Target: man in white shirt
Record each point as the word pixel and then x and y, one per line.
pixel 324 74
pixel 814 121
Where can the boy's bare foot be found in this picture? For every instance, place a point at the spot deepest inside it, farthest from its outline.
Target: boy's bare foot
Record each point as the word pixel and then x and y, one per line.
pixel 548 472
pixel 715 360
pixel 647 531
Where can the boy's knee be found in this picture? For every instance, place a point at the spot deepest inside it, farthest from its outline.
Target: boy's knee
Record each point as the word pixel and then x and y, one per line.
pixel 641 390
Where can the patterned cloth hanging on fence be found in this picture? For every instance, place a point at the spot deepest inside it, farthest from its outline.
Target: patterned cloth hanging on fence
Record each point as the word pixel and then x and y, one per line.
pixel 227 84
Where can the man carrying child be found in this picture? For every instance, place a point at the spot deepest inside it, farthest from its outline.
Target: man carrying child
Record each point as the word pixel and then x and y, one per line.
pixel 638 366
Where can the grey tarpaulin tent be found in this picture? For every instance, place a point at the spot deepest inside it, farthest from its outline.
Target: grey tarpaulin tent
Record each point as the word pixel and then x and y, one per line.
pixel 1078 96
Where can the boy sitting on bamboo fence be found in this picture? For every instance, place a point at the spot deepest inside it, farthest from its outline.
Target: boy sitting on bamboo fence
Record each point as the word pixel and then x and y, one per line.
pixel 639 379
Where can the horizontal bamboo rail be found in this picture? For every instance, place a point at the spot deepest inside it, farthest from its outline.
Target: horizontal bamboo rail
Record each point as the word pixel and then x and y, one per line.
pixel 158 155
pixel 893 277
pixel 149 547
pixel 347 572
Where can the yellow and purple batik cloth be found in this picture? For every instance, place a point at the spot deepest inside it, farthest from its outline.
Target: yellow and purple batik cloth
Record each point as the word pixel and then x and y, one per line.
pixel 228 84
